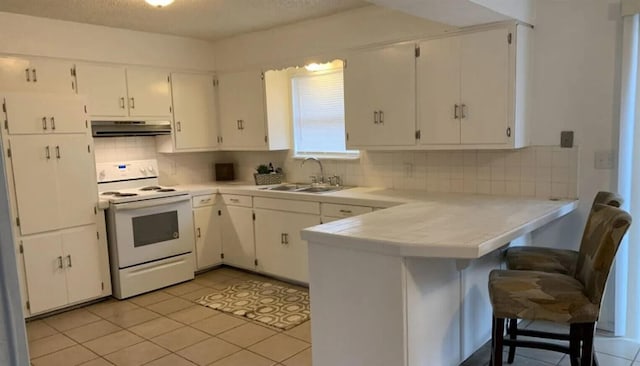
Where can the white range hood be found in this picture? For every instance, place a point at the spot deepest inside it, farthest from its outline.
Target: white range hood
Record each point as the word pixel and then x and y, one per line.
pixel 464 13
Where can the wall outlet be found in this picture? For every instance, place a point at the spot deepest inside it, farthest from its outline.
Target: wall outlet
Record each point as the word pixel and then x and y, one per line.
pixel 605 159
pixel 566 139
pixel 408 170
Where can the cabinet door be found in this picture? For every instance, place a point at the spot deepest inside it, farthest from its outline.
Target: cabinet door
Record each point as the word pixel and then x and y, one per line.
pixel 77 190
pixel 45 273
pixel 54 76
pixel 36 75
pixel 242 110
pixel 438 71
pixel 485 87
pixel 34 176
pixel 29 113
pixel 208 236
pixel 279 248
pixel 380 97
pixel 149 94
pixel 237 237
pixel 81 256
pixel 194 111
pixel 105 87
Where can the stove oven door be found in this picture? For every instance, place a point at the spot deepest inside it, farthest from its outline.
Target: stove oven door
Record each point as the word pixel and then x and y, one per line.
pixel 152 229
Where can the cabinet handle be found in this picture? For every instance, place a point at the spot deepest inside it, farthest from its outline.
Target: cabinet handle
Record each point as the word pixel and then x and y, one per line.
pixel 375 117
pixel 133 103
pixel 178 126
pixel 463 107
pixel 53 123
pixel 284 238
pixel 122 102
pixel 47 152
pixel 35 76
pixel 199 233
pixel 69 261
pixel 58 152
pixel 205 201
pixel 26 71
pixel 44 123
pixel 346 211
pixel 381 113
pixel 60 264
pixel 455 112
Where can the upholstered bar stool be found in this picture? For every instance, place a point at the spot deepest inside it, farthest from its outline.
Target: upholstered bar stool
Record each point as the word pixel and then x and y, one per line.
pixel 568 299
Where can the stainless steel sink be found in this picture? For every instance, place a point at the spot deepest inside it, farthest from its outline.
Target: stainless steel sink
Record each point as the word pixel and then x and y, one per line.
pixel 303 188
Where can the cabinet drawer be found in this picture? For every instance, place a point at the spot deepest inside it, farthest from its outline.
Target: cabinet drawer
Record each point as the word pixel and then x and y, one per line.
pixel 333 210
pixel 235 200
pixel 204 200
pixel 287 205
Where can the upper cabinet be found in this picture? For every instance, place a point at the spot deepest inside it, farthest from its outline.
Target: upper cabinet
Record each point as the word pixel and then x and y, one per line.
pixel 131 92
pixel 380 97
pixel 473 89
pixel 250 117
pixel 41 113
pixel 194 113
pixel 37 75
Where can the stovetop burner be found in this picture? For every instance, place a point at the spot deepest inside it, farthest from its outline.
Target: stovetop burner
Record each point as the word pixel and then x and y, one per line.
pixel 166 190
pixel 152 188
pixel 110 193
pixel 126 194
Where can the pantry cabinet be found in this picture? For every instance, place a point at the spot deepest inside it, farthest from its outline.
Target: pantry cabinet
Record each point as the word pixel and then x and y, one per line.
pixel 237 232
pixel 34 113
pixel 36 74
pixel 473 89
pixel 255 112
pixel 63 267
pixel 195 126
pixel 54 178
pixel 380 97
pixel 125 92
pixel 207 220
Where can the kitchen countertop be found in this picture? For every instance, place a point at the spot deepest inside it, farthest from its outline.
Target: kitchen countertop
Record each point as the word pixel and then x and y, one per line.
pixel 417 223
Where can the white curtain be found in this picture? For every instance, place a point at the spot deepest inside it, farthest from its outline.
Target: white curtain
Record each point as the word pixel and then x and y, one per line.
pixel 627 289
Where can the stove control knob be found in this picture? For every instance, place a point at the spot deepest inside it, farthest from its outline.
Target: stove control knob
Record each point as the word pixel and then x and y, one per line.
pixel 143 171
pixel 150 169
pixel 102 175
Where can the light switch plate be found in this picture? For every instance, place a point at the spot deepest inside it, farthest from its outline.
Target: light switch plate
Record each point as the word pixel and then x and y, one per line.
pixel 605 159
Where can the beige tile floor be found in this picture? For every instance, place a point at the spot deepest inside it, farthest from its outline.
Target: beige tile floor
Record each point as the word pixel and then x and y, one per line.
pixel 165 328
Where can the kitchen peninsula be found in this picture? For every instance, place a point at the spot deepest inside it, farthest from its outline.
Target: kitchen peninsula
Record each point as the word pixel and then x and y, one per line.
pixel 408 285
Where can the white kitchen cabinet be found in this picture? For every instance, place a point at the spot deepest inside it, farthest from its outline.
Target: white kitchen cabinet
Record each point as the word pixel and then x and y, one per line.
pixel 279 248
pixel 117 92
pixel 63 267
pixel 380 98
pixel 54 180
pixel 194 114
pixel 36 74
pixel 207 221
pixel 106 88
pixel 473 89
pixel 38 113
pixel 254 115
pixel 237 236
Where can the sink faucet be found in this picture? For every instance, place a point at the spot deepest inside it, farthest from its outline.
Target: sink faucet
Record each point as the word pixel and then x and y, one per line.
pixel 319 163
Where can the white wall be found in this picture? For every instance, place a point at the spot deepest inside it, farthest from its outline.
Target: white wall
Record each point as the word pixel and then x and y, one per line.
pixel 329 36
pixel 26 35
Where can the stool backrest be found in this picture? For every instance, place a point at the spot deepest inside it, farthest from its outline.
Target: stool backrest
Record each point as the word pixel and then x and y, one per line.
pixel 607 198
pixel 606 226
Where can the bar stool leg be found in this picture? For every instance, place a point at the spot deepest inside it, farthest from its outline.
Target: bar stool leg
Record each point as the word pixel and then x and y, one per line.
pixel 513 334
pixel 498 338
pixel 587 344
pixel 575 336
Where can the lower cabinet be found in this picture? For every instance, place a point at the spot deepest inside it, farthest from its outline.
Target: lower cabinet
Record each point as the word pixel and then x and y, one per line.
pixel 64 267
pixel 279 249
pixel 237 237
pixel 207 220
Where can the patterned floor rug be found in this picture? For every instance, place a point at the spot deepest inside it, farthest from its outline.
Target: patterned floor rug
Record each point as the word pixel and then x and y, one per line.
pixel 277 306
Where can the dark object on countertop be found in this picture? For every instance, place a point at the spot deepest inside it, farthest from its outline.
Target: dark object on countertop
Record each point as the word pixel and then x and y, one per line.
pixel 224 172
pixel 263 169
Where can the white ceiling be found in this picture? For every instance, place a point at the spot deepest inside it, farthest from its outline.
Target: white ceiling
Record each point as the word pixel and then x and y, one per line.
pixel 203 19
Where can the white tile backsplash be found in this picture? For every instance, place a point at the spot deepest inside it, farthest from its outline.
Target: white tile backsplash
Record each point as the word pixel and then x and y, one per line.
pixel 537 171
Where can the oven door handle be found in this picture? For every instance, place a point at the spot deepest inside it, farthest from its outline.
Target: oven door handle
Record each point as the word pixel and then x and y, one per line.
pixel 151 203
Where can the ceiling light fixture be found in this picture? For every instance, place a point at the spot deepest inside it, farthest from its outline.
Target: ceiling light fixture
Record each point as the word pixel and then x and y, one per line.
pixel 159 3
